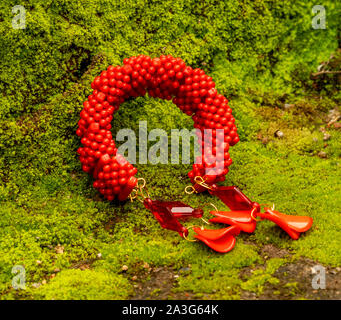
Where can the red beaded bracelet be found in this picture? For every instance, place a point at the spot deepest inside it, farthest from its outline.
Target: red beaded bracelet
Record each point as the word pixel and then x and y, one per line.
pixel 194 93
pixel 168 78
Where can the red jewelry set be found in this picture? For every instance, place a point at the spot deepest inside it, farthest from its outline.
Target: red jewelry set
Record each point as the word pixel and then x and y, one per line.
pixel 194 93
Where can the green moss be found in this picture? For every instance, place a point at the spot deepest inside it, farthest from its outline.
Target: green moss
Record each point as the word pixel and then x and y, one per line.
pixel 84 285
pixel 216 275
pixel 262 276
pixel 260 53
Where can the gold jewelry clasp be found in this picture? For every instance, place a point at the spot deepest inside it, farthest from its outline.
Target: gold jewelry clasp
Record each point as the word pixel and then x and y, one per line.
pixel 191 227
pixel 253 214
pixel 201 182
pixel 140 191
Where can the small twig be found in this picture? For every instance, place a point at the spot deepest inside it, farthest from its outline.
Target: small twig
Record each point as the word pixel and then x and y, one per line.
pixel 325 72
pixel 335 119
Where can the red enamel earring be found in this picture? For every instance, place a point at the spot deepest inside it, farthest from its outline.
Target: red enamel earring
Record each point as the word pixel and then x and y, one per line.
pixel 170 213
pixel 245 212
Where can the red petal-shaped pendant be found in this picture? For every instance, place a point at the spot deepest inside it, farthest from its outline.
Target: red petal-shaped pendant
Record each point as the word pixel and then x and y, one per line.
pixel 221 240
pixel 223 245
pixel 214 234
pixel 293 225
pixel 241 219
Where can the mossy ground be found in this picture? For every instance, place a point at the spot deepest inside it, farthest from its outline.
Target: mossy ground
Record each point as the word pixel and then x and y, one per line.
pixel 261 54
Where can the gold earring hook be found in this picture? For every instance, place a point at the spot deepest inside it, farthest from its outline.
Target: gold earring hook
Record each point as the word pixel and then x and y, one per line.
pixel 140 191
pixel 253 216
pixel 190 190
pixel 208 204
pixel 191 227
pixel 201 182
